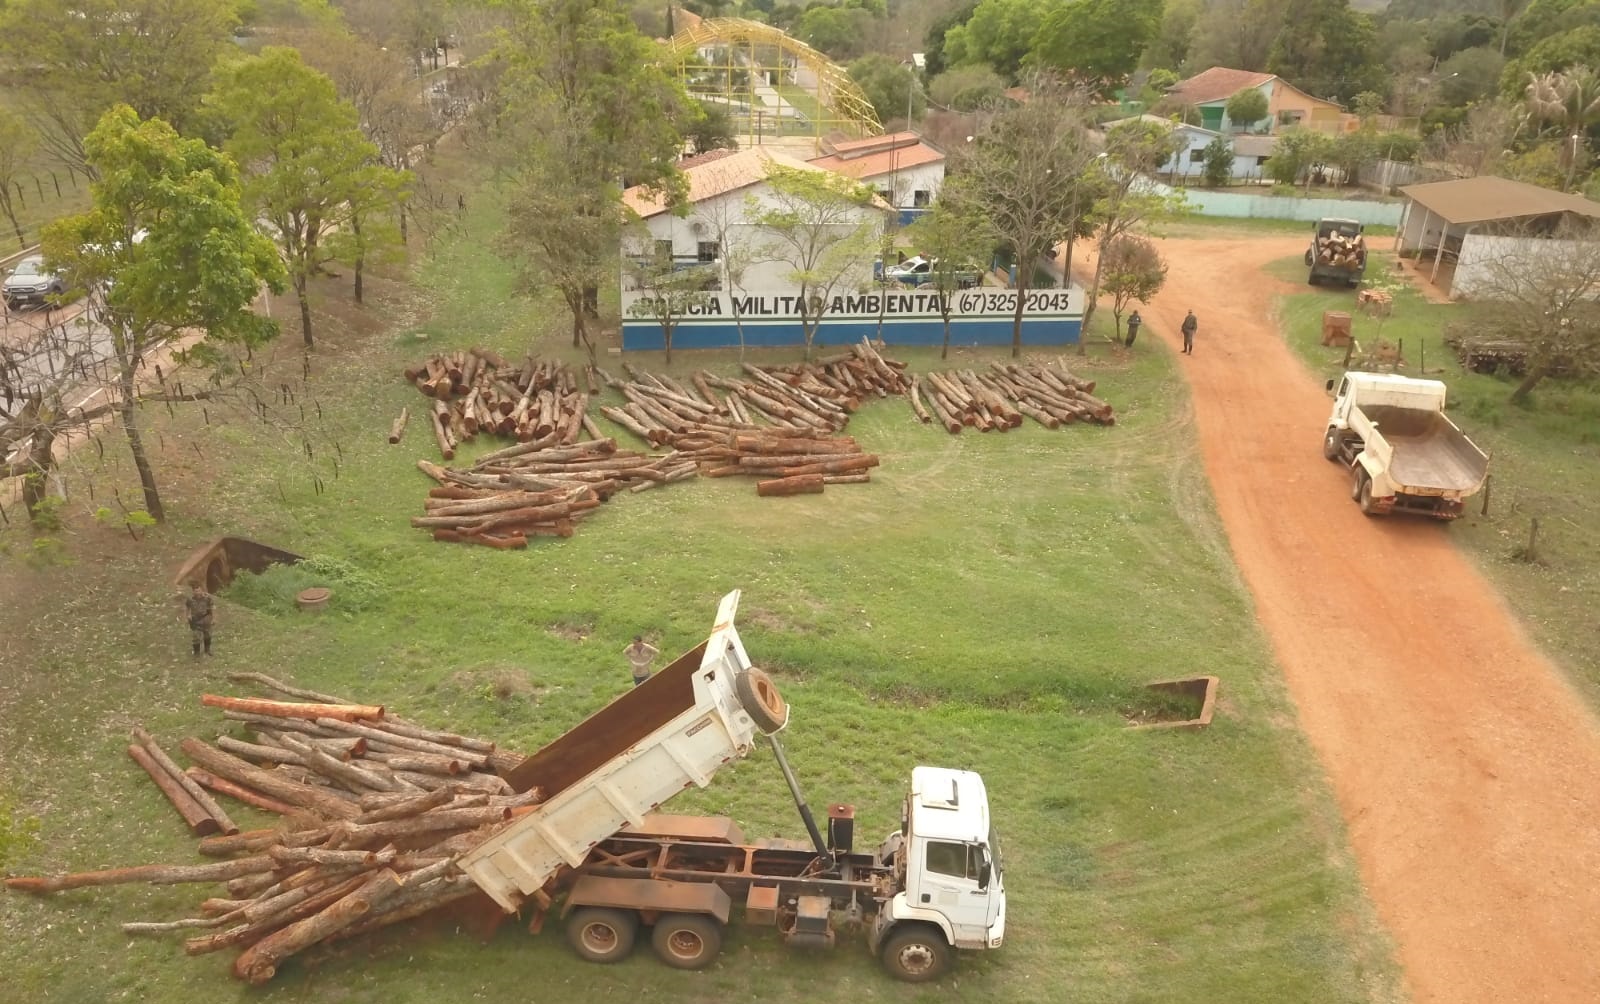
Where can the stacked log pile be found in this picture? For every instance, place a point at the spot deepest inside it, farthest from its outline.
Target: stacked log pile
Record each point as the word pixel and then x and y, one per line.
pixel 1000 398
pixel 376 811
pixel 478 391
pixel 787 461
pixel 1341 250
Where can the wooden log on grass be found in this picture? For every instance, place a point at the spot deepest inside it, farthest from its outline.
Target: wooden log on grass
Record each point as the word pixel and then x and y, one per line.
pixel 200 822
pixel 195 791
pixel 290 709
pixel 267 782
pixel 382 811
pixel 397 431
pixel 153 874
pixel 805 484
pixel 255 930
pixel 371 733
pixel 223 786
pixel 348 774
pixel 271 683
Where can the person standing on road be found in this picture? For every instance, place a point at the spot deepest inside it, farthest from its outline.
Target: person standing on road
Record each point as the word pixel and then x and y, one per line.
pixel 1134 320
pixel 199 608
pixel 640 656
pixel 1189 326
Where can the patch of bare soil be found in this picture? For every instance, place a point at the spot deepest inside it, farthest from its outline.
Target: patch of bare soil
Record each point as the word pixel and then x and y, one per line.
pixel 1466 767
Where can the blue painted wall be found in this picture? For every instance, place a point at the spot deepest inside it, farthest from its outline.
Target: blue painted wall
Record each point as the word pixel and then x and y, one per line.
pixel 645 335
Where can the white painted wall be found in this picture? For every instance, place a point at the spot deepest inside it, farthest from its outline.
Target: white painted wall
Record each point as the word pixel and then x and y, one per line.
pixel 731 213
pixel 1474 275
pixel 909 180
pixel 1190 162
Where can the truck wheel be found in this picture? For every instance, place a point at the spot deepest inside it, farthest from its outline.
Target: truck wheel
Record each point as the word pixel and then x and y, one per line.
pixel 1330 444
pixel 687 940
pixel 1358 474
pixel 916 953
pixel 1364 499
pixel 1311 280
pixel 599 934
pixel 759 697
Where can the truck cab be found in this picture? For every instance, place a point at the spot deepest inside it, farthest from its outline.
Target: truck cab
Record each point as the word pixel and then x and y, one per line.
pixel 954 878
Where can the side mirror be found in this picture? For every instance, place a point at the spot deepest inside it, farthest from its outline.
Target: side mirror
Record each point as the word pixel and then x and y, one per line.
pixel 985 868
pixel 1328 386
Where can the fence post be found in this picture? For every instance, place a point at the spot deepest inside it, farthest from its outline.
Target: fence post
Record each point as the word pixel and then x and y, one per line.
pixel 37 184
pixel 22 203
pixel 57 182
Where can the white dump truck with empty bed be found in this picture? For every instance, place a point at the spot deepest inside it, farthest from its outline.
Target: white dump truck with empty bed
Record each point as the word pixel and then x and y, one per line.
pixel 1404 453
pixel 596 846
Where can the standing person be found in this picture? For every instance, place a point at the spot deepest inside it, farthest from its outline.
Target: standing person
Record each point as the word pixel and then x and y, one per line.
pixel 198 606
pixel 640 656
pixel 1134 320
pixel 1189 326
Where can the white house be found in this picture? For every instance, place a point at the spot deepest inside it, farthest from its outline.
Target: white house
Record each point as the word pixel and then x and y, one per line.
pixel 904 169
pixel 1250 153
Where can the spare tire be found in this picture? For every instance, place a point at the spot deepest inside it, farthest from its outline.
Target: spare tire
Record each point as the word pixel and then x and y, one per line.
pixel 759 697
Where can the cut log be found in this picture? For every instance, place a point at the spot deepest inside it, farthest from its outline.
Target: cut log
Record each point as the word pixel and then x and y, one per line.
pixel 200 822
pixel 407 808
pixel 371 733
pixel 397 431
pixel 267 782
pixel 283 688
pixel 246 934
pixel 348 774
pixel 199 794
pixel 153 874
pixel 288 709
pixel 805 484
pixel 223 786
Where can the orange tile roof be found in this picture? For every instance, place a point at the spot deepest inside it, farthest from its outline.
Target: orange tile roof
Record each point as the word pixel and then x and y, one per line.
pixel 717 176
pixel 871 165
pixel 1216 84
pixel 874 143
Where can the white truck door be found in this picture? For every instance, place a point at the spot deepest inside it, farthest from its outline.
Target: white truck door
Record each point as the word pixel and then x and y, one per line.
pixel 945 878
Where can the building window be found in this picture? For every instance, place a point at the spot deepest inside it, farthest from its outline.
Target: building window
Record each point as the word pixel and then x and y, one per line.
pixel 1262 161
pixel 1289 118
pixel 1196 156
pixel 663 249
pixel 708 251
pixel 921 198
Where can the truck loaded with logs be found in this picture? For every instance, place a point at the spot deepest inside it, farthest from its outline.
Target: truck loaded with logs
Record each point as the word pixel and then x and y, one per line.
pixel 596 845
pixel 1338 252
pixel 1403 452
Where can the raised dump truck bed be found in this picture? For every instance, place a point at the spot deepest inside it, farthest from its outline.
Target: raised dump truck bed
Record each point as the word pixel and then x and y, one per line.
pixel 1427 453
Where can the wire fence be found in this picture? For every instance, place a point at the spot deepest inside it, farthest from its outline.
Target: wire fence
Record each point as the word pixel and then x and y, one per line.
pixel 38 199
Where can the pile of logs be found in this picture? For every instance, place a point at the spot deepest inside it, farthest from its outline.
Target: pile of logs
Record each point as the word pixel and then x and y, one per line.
pixel 789 461
pixel 375 811
pixel 478 391
pixel 1341 250
pixel 1000 398
pixel 527 490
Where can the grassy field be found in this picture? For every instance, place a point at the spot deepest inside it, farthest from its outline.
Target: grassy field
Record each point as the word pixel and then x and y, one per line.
pixel 1544 464
pixel 994 602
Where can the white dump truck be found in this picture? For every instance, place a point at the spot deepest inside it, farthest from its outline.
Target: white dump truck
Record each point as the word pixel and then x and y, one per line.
pixel 596 845
pixel 1404 453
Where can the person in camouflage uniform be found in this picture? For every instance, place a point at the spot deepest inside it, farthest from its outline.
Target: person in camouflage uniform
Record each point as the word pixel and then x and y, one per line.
pixel 198 606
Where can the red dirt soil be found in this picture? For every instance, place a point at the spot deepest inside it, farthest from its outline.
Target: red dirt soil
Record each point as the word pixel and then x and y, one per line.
pixel 1467 769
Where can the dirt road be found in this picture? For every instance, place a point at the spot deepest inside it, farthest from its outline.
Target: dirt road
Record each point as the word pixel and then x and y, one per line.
pixel 1467 770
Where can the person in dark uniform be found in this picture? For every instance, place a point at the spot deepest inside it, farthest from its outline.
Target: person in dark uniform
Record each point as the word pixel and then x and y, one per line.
pixel 1134 320
pixel 1189 326
pixel 199 608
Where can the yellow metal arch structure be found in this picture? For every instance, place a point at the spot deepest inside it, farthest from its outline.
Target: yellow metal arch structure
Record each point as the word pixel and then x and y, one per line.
pixel 773 85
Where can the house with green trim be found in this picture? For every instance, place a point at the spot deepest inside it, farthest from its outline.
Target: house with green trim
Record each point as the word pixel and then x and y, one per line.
pixel 1207 93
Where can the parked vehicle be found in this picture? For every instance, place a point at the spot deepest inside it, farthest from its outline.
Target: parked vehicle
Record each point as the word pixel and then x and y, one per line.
pixel 1338 252
pixel 30 282
pixel 596 844
pixel 919 271
pixel 1404 454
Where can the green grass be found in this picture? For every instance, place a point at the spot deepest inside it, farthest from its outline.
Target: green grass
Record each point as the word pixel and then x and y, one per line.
pixel 991 601
pixel 1544 459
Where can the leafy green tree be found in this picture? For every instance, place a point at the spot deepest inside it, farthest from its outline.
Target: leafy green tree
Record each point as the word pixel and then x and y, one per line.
pixel 840 32
pixel 1353 152
pixel 824 227
pixel 1134 149
pixel 85 56
pixel 933 42
pixel 1541 19
pixel 17 143
pixel 711 128
pixel 1577 47
pixel 670 292
pixel 889 85
pixel 1235 33
pixel 1246 108
pixel 1294 154
pixel 1326 49
pixel 1168 48
pixel 966 88
pixel 1096 42
pixel 1469 75
pixel 951 236
pixel 167 248
pixel 1026 174
pixel 1219 162
pixel 999 33
pixel 585 107
pixel 1569 102
pixel 308 168
pixel 1133 271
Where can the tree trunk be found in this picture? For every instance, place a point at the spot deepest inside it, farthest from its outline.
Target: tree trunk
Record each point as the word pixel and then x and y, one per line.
pixel 944 349
pixel 293 709
pixel 22 240
pixel 666 337
pixel 305 308
pixel 1024 276
pixel 126 411
pixel 41 461
pixel 361 253
pixel 1534 375
pixel 1066 268
pixel 405 229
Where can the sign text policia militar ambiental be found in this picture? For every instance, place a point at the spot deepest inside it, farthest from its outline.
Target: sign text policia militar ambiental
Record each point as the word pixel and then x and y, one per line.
pixel 966 301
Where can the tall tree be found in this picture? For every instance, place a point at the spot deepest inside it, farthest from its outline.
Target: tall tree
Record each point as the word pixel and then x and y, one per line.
pixel 585 107
pixel 670 293
pixel 1326 49
pixel 1024 173
pixel 1096 42
pixel 83 57
pixel 306 163
pixel 1134 271
pixel 824 227
pixel 167 248
pixel 950 236
pixel 890 86
pixel 1235 33
pixel 999 33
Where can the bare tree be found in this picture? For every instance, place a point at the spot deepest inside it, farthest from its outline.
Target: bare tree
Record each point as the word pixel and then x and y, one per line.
pixel 670 293
pixel 1482 142
pixel 720 219
pixel 1541 290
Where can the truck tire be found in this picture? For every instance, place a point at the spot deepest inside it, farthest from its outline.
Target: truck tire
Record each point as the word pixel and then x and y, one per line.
pixel 1330 443
pixel 1364 497
pixel 759 697
pixel 599 934
pixel 687 940
pixel 1311 279
pixel 916 953
pixel 1358 474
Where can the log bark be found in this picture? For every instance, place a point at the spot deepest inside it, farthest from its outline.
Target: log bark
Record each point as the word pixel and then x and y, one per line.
pixel 287 709
pixel 381 812
pixel 196 792
pixel 357 834
pixel 401 728
pixel 303 795
pixel 223 786
pixel 200 822
pixel 397 431
pixel 302 856
pixel 348 774
pixel 805 484
pixel 254 931
pixel 153 874
pixel 371 734
pixel 272 683
pixel 258 752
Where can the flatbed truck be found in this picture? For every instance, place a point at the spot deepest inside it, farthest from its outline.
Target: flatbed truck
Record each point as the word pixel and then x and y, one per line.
pixel 596 845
